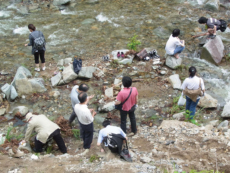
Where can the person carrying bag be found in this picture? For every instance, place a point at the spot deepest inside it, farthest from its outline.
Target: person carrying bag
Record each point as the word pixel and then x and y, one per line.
pixel 193 88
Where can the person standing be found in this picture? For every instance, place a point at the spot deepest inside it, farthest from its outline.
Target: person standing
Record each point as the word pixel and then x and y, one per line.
pixel 129 106
pixel 37 41
pixel 192 83
pixel 174 45
pixel 74 100
pixel 85 117
pixel 45 130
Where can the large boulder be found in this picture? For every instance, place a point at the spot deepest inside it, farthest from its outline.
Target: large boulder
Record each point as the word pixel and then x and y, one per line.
pixel 22 73
pixel 23 86
pixel 212 5
pixel 207 101
pixel 86 72
pixel 56 79
pixel 175 81
pixel 37 85
pixel 61 2
pixel 213 50
pixel 226 110
pixel 172 62
pixel 68 74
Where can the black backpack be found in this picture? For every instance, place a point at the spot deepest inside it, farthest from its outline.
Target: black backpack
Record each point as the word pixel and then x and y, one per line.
pixel 223 25
pixel 39 42
pixel 77 64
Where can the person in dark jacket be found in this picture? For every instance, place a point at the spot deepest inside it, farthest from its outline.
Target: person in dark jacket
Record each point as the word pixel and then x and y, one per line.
pixel 41 52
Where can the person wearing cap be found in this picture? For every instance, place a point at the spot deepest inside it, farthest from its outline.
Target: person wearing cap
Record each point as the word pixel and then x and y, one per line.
pixel 108 129
pixel 45 130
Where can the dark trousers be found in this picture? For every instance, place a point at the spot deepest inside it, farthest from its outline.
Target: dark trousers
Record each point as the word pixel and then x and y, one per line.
pixel 87 135
pixel 40 53
pixel 132 118
pixel 56 135
pixel 71 118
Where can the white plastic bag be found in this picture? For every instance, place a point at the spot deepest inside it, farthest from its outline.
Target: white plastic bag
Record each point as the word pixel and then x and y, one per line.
pixel 181 100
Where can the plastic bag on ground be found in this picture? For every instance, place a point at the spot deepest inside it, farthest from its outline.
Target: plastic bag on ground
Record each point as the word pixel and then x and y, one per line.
pixel 181 101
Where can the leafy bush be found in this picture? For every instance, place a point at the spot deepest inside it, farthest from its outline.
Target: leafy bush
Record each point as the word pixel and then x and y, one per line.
pixel 133 43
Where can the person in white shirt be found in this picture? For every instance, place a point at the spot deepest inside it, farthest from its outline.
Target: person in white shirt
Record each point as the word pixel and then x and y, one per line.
pixel 85 117
pixel 108 129
pixel 174 45
pixel 192 83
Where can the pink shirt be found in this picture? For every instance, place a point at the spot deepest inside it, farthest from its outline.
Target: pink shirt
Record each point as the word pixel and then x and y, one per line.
pixel 123 94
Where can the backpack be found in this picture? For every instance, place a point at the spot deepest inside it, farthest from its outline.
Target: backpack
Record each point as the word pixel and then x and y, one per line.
pixel 39 42
pixel 77 64
pixel 223 25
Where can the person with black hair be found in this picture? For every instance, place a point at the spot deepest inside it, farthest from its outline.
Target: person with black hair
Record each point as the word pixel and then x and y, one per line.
pixel 129 105
pixel 85 118
pixel 192 83
pixel 41 52
pixel 108 129
pixel 212 25
pixel 174 45
pixel 74 100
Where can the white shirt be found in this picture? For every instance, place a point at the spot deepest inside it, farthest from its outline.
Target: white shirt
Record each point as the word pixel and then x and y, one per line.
pixel 171 44
pixel 109 129
pixel 193 83
pixel 83 113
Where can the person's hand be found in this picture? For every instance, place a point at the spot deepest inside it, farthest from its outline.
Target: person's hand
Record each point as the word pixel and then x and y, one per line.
pixel 26 44
pixel 102 150
pixel 90 97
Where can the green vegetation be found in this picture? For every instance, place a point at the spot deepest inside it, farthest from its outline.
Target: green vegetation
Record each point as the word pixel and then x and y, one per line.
pixel 204 171
pixel 10 136
pixel 114 63
pixel 181 67
pixel 133 43
pixel 93 158
pixel 76 133
pixel 49 149
pixel 176 108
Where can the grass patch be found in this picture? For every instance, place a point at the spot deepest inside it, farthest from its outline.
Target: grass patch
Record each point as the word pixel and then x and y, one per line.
pixel 181 67
pixel 10 135
pixel 114 63
pixel 93 158
pixel 76 133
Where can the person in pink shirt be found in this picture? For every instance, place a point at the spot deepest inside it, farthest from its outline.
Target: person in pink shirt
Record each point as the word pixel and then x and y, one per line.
pixel 129 106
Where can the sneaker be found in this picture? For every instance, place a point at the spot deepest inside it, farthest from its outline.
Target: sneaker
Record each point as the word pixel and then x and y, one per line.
pixel 131 134
pixel 37 69
pixel 85 152
pixel 43 68
pixel 118 54
pixel 122 55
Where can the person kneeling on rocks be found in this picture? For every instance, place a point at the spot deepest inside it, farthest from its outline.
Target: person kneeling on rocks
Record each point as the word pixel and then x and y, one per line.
pixel 113 137
pixel 45 130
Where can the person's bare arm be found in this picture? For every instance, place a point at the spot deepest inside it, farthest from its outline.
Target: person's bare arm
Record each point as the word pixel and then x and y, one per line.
pixel 136 99
pixel 117 102
pixel 89 98
pixel 203 34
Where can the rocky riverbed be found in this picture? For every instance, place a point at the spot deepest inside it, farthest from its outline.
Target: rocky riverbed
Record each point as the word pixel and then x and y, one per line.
pixel 90 29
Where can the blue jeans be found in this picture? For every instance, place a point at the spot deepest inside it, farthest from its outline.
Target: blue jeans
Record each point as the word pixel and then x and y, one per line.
pixel 191 106
pixel 178 49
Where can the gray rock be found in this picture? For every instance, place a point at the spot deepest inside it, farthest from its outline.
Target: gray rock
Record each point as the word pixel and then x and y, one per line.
pixel 145 159
pixel 108 107
pixel 23 110
pixel 99 73
pixel 223 124
pixel 92 1
pixel 67 61
pixel 163 72
pixel 54 93
pixel 87 72
pixel 61 2
pixel 56 79
pixel 37 85
pixel 60 62
pixel 141 63
pixel 23 86
pixel 213 50
pixel 172 62
pixel 212 5
pixel 178 116
pixel 68 74
pixel 175 81
pixel 207 101
pixel 9 91
pixel 155 67
pixel 109 92
pixel 214 123
pixel 87 21
pixel 226 110
pixel 2 111
pixel 22 73
pixel 117 81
